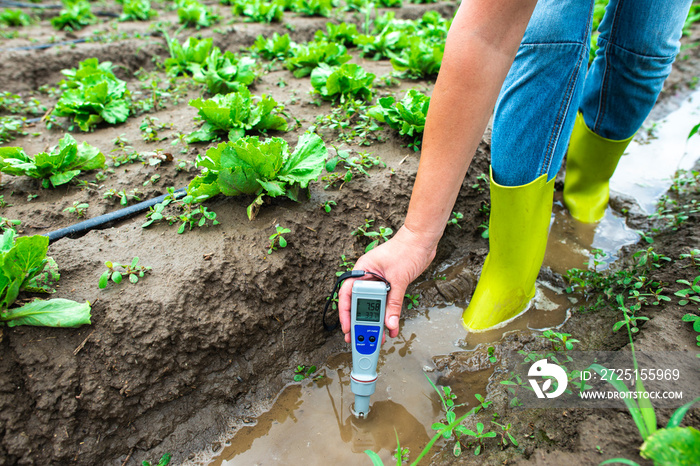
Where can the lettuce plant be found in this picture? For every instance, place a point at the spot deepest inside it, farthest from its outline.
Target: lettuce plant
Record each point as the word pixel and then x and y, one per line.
pixel 314 7
pixel 347 80
pixel 407 116
pixel 194 14
pixel 235 113
pixel 137 10
pixel 259 11
pixel 10 17
pixel 75 15
pixel 22 261
pixel 420 59
pixel 188 56
pixel 250 166
pixel 307 57
pixel 94 95
pixel 57 167
pixel 343 33
pixel 275 47
pixel 224 72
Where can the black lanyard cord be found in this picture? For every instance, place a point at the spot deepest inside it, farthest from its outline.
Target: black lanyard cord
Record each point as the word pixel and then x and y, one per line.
pixel 336 288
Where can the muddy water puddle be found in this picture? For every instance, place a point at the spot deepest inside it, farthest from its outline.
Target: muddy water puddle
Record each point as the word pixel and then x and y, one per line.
pixel 311 422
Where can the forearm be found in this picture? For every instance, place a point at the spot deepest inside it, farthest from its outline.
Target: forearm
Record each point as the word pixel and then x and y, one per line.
pixel 480 48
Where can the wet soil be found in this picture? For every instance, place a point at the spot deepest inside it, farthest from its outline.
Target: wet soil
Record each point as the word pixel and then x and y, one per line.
pixel 206 340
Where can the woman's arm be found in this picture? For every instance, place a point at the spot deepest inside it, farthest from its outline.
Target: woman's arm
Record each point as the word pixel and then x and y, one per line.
pixel 480 48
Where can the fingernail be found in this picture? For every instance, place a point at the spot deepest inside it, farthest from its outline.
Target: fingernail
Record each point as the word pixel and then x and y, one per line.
pixel 393 322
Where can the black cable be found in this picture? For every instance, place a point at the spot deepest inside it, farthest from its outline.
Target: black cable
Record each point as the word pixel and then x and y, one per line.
pixel 341 279
pixel 103 221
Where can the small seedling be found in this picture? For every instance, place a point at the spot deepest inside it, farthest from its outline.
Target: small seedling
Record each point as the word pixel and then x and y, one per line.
pixel 124 197
pixel 345 265
pixel 152 180
pixel 479 436
pixel 7 224
pixel 31 197
pixel 456 217
pixel 482 181
pixel 278 239
pixel 328 206
pixel 505 436
pixel 78 209
pixel 412 300
pixel 557 338
pixel 689 294
pixel 164 461
pixel 491 353
pixel 383 233
pixel 4 203
pixel 304 372
pixel 696 324
pixel 133 271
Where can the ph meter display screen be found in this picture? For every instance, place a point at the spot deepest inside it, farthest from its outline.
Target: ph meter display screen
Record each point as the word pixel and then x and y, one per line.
pixel 368 310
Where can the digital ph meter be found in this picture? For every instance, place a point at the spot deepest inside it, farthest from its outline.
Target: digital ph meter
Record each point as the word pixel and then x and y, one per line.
pixel 366 332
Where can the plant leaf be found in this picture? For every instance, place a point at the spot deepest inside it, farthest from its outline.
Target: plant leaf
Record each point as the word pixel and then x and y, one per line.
pixel 50 313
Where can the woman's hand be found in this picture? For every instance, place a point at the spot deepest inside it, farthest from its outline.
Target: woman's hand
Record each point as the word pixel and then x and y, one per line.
pixel 400 261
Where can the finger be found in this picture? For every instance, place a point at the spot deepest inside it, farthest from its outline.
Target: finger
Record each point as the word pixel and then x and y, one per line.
pixel 344 304
pixel 393 310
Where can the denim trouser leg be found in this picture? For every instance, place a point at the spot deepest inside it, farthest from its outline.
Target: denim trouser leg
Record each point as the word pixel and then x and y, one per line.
pixel 639 39
pixel 536 109
pixel 547 83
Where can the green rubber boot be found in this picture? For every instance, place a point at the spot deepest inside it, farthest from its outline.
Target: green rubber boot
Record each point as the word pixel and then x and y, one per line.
pixel 590 162
pixel 518 229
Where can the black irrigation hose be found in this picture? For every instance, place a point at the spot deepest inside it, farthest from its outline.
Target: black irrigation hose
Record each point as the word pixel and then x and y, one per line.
pixel 28 5
pixel 103 221
pixel 45 46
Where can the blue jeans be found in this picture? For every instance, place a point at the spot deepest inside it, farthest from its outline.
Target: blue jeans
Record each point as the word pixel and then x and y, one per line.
pixel 550 81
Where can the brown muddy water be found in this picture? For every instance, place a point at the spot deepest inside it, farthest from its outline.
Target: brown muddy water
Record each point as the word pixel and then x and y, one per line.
pixel 310 422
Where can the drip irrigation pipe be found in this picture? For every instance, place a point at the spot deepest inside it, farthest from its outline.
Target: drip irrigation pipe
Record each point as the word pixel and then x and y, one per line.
pixel 103 221
pixel 6 3
pixel 45 46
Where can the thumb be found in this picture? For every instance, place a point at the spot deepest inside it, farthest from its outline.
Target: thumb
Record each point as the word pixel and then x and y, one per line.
pixel 393 311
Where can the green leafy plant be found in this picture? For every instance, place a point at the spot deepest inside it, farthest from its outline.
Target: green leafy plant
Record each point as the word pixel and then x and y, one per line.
pixel 306 57
pixel 223 72
pixel 303 372
pixel 9 224
pixel 351 121
pixel 188 57
pixel 249 166
pixel 345 265
pixel 353 166
pixel 14 18
pixel 164 461
pixel 137 10
pixel 122 195
pixel 192 13
pixel 276 239
pixel 234 114
pixel 690 294
pixel 670 445
pixel 491 352
pixel 454 220
pixel 505 436
pixel 345 81
pixel 412 300
pixel 116 272
pixel 314 7
pixel 23 262
pixel 328 205
pixel 75 15
pixel 275 47
pixel 56 167
pixel 94 95
pixel 407 116
pixel 695 320
pixel 259 11
pixel 150 127
pixel 343 33
pixel 188 211
pixel 421 59
pixel 78 208
pixel 376 236
pixel 560 341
